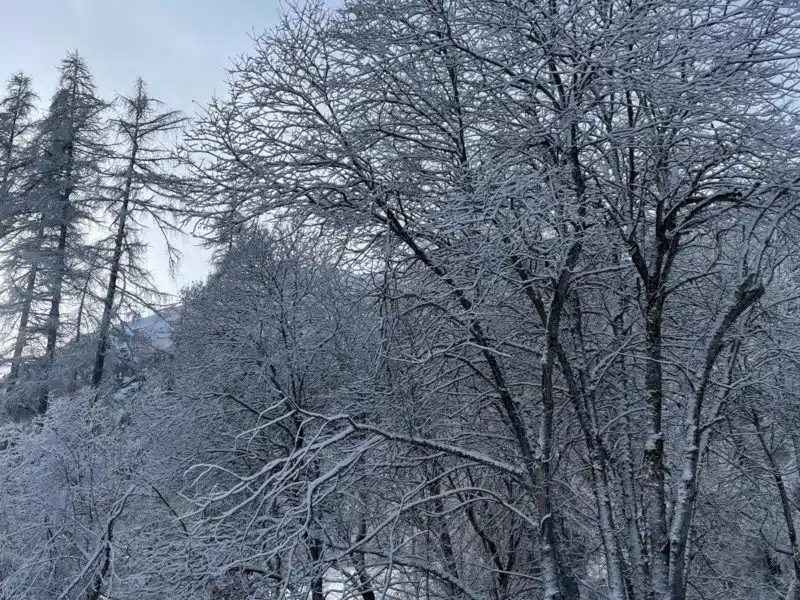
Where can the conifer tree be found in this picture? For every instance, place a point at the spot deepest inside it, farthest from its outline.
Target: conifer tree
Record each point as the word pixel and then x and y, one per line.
pixel 16 151
pixel 68 178
pixel 139 179
pixel 16 109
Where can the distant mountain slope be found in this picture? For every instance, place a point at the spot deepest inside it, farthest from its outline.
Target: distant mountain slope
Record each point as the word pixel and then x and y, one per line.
pixel 152 332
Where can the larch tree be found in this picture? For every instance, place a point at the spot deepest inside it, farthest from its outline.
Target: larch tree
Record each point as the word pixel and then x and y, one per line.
pixel 137 182
pixel 16 127
pixel 16 122
pixel 68 172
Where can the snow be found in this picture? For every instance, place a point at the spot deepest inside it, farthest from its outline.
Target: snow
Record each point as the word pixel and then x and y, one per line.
pixel 153 331
pixel 652 441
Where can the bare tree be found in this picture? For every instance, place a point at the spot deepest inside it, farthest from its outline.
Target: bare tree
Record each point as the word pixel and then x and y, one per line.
pixel 520 157
pixel 140 127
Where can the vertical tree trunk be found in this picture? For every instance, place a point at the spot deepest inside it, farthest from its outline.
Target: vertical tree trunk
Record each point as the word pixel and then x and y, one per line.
pixel 317 581
pixel 747 293
pixel 559 582
pixel 108 302
pixel 59 273
pixel 27 303
pixel 640 574
pixel 22 331
pixel 7 160
pixel 563 587
pixel 786 506
pixel 365 588
pixel 654 447
pixel 21 105
pixel 140 123
pixel 54 315
pixel 439 527
pixel 583 402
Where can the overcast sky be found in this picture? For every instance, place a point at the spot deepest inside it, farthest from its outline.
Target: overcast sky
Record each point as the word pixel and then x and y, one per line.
pixel 179 47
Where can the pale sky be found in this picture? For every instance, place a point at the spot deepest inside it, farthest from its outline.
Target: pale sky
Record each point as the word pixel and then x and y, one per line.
pixel 179 47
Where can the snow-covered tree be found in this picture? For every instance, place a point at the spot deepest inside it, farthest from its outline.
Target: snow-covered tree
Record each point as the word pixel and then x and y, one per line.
pixel 504 305
pixel 141 175
pixel 16 122
pixel 563 184
pixel 69 168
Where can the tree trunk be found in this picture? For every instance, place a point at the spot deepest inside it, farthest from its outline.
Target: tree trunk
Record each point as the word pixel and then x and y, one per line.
pixel 317 581
pixel 746 295
pixel 22 331
pixel 654 444
pixel 786 507
pixel 364 581
pixel 119 239
pixel 54 316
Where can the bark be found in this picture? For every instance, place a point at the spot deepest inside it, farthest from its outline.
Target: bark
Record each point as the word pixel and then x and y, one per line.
pixel 111 290
pixel 8 157
pixel 747 294
pixel 565 586
pixel 599 465
pixel 440 527
pixel 27 303
pixel 654 278
pixel 654 448
pixel 59 274
pixel 54 315
pixel 640 574
pixel 317 581
pixel 364 581
pixel 786 506
pixel 21 103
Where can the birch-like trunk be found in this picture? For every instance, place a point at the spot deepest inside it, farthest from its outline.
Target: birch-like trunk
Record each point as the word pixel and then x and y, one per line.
pixel 747 294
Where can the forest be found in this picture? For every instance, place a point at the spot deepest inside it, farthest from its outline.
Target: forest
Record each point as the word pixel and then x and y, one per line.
pixel 504 305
